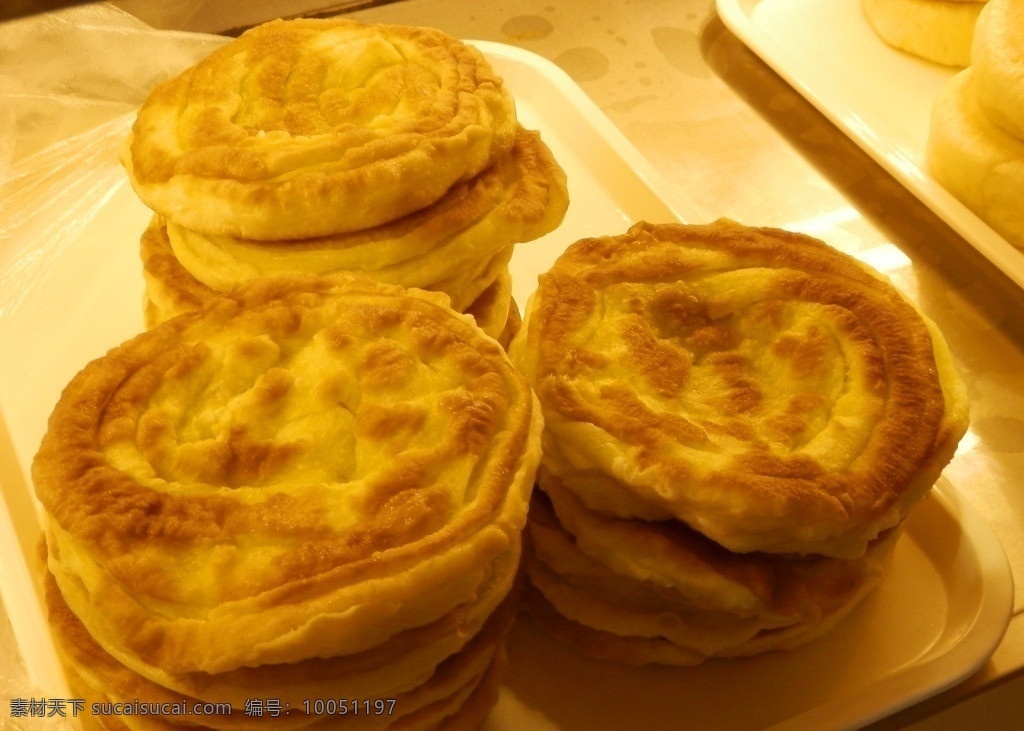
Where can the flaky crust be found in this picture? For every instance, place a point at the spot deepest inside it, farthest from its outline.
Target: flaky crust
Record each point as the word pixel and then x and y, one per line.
pixel 446 691
pixel 303 469
pixel 309 127
pixel 697 576
pixel 639 579
pixel 656 649
pixel 485 290
pixel 404 661
pixel 756 384
pixel 522 196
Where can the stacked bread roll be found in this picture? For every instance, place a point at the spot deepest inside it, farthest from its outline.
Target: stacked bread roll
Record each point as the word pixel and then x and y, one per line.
pixel 737 423
pixel 314 146
pixel 311 493
pixel 936 30
pixel 975 144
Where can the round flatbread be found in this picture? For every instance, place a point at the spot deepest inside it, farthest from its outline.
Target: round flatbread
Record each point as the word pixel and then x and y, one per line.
pixel 304 468
pixel 767 390
pixel 312 127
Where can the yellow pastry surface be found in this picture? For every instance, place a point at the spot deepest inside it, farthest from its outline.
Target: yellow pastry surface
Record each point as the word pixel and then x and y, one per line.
pixel 520 197
pixel 758 385
pixel 310 127
pixel 451 687
pixel 303 468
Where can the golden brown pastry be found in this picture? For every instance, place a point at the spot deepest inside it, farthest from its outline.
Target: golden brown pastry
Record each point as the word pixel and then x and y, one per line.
pixel 737 422
pixel 458 688
pixel 401 663
pixel 307 469
pixel 305 128
pixel 936 30
pixel 662 586
pixel 756 384
pixel 461 245
pixel 171 290
pixel 519 198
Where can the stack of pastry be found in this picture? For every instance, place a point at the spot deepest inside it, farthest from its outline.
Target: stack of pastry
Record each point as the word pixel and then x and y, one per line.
pixel 313 146
pixel 737 423
pixel 304 500
pixel 975 144
pixel 936 30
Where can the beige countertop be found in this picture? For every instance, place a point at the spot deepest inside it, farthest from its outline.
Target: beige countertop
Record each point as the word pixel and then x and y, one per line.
pixel 730 138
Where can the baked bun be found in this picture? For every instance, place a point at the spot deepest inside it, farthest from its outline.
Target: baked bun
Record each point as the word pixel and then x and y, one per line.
pixel 325 473
pixel 975 159
pixel 936 30
pixel 975 144
pixel 998 62
pixel 307 128
pixel 737 422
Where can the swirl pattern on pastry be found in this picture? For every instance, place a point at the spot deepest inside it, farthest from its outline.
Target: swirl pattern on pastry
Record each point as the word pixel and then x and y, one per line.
pixel 306 128
pixel 303 468
pixel 767 390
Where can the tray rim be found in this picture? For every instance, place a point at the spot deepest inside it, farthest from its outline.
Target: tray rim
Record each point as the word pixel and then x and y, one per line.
pixel 995 568
pixel 945 667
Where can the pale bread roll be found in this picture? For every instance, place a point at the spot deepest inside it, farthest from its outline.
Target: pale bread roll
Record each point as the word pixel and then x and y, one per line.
pixel 998 62
pixel 936 30
pixel 977 160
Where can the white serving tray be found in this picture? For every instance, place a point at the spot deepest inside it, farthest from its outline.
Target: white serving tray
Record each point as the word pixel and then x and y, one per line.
pixel 76 290
pixel 878 96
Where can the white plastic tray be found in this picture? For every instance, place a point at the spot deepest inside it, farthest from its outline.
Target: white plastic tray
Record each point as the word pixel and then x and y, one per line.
pixel 77 290
pixel 878 96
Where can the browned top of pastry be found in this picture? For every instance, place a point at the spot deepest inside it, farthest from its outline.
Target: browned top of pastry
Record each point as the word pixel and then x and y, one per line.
pixel 309 127
pixel 768 390
pixel 307 465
